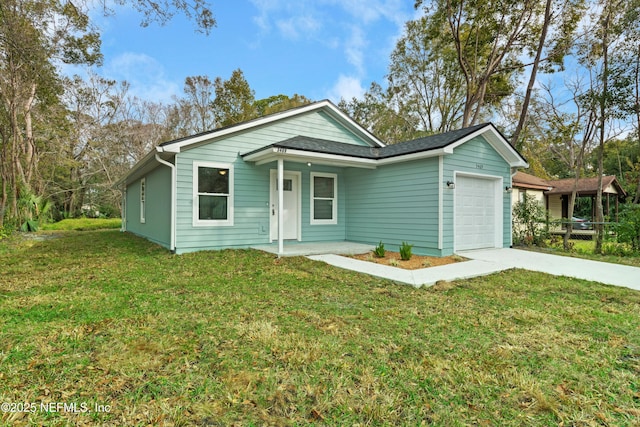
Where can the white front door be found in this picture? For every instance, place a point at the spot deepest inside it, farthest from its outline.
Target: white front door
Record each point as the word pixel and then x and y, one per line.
pixel 291 205
pixel 477 217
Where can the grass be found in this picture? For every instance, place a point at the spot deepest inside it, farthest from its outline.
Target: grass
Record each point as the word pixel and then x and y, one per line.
pixel 585 249
pixel 83 224
pixel 241 338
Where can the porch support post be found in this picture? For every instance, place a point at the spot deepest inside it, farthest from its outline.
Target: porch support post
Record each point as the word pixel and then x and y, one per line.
pixel 280 207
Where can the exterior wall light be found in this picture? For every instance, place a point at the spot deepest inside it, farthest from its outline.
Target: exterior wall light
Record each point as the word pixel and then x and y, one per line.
pixel 451 185
pixel 508 189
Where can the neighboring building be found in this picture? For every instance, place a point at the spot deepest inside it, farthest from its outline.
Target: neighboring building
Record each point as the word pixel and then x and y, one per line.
pixel 221 189
pixel 554 194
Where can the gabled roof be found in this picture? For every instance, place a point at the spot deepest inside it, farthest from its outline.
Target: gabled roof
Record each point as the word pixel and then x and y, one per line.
pixel 586 185
pixel 524 180
pixel 327 106
pixel 312 149
pixel 166 150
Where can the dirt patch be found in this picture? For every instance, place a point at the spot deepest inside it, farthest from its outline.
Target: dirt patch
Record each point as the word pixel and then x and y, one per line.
pixel 416 261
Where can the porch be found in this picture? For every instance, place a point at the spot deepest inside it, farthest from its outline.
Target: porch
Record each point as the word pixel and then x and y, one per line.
pixel 316 248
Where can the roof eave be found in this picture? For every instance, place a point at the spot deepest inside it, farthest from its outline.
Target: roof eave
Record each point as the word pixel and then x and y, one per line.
pixel 325 105
pixel 271 153
pixel 141 167
pixel 498 142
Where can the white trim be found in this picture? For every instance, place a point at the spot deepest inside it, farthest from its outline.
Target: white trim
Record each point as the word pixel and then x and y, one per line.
pixel 441 201
pixel 269 154
pixel 499 208
pixel 197 222
pixel 273 199
pixel 365 135
pixel 143 199
pixel 280 207
pixel 174 178
pixel 497 141
pixel 334 205
pixel 123 214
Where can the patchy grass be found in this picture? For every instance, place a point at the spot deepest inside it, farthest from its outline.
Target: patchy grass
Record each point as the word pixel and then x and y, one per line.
pixel 83 224
pixel 585 249
pixel 241 338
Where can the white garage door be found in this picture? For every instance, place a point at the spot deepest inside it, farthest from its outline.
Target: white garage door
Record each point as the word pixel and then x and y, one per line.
pixel 475 211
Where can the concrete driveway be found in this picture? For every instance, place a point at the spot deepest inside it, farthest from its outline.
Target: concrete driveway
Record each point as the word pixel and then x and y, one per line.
pixel 603 272
pixel 488 261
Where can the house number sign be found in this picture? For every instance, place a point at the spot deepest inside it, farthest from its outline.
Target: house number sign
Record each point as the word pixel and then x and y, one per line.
pixel 479 166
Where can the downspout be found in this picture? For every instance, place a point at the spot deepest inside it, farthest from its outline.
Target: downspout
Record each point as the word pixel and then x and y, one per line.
pixel 123 211
pixel 173 198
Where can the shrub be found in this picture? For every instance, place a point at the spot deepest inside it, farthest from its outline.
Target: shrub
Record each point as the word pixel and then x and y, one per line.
pixel 629 226
pixel 379 251
pixel 529 222
pixel 405 251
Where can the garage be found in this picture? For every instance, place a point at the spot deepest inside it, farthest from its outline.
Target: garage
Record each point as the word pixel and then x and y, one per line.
pixel 478 221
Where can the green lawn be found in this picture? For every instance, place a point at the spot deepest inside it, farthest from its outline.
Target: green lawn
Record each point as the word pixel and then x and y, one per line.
pixel 240 338
pixel 83 224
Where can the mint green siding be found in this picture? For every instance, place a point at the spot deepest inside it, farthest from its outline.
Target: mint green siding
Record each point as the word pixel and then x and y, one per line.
pixel 475 157
pixel 252 187
pixel 395 203
pixel 404 201
pixel 157 225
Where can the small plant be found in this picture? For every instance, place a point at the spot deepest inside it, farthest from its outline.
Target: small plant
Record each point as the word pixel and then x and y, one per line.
pixel 426 264
pixel 394 262
pixel 379 251
pixel 405 251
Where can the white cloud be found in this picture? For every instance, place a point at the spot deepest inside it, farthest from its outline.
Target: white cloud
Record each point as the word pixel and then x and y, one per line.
pixel 145 75
pixel 296 26
pixel 355 49
pixel 346 87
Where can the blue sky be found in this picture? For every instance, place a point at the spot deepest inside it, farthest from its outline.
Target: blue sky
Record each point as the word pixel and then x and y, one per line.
pixel 320 49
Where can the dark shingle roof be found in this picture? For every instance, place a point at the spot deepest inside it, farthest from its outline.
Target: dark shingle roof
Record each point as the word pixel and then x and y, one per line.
pixel 426 143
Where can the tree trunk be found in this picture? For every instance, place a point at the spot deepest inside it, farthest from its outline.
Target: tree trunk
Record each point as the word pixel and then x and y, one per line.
pixel 636 199
pixel 570 206
pixel 532 79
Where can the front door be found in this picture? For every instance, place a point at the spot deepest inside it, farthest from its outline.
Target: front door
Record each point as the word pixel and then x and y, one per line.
pixel 291 205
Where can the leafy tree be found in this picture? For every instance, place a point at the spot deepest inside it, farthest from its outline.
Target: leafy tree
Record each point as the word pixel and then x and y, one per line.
pixel 604 37
pixel 425 82
pixel 566 15
pixel 277 103
pixel 35 37
pixel 381 117
pixel 195 108
pixel 488 39
pixel 234 101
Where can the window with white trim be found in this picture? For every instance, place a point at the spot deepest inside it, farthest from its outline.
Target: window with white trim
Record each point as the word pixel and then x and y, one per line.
pixel 213 194
pixel 143 195
pixel 324 198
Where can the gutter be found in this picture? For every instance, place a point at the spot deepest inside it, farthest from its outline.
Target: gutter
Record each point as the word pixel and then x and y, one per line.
pixel 173 196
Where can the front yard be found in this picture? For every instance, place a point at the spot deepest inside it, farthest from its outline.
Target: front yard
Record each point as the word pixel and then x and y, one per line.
pixel 101 327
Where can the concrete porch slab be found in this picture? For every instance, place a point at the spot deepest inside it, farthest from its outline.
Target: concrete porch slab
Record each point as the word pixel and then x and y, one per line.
pixel 317 248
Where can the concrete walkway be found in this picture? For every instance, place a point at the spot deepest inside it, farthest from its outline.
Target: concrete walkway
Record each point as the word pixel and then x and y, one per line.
pixel 489 261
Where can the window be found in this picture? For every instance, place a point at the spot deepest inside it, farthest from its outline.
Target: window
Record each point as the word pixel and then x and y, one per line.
pixel 521 195
pixel 213 194
pixel 324 200
pixel 143 190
